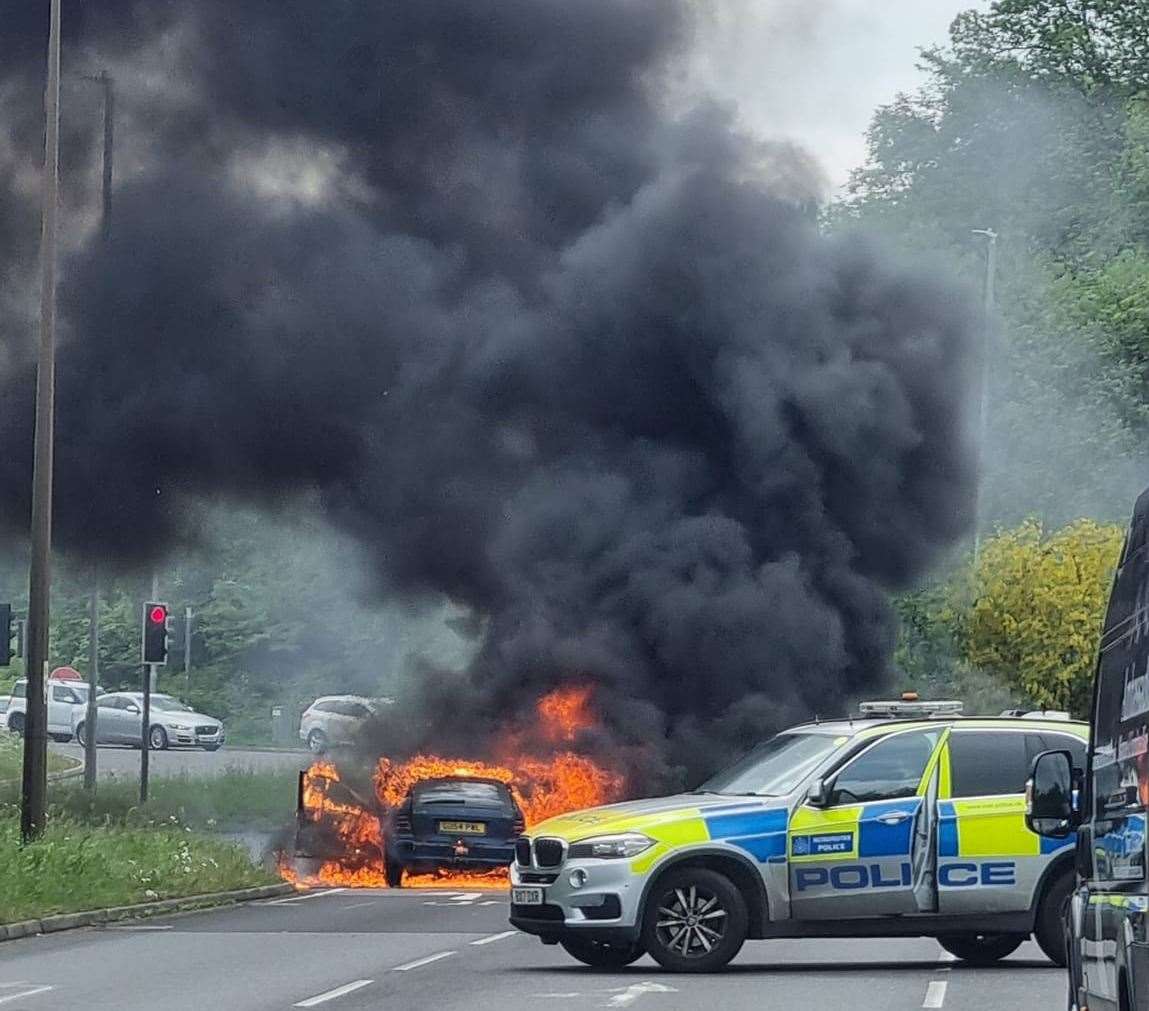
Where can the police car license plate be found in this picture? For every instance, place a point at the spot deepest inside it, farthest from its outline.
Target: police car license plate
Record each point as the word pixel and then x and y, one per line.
pixel 463 827
pixel 527 896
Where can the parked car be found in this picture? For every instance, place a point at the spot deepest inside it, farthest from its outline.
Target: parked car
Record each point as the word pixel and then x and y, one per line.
pixel 457 822
pixel 67 706
pixel 336 719
pixel 173 723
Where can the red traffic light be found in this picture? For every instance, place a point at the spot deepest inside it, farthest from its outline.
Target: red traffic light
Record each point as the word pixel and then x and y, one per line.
pixel 158 615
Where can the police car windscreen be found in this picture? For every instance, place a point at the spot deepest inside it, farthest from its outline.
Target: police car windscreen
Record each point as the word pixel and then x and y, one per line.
pixel 774 768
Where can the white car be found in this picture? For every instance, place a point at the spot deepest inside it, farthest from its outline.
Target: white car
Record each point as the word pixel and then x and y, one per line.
pixel 119 720
pixel 336 719
pixel 67 706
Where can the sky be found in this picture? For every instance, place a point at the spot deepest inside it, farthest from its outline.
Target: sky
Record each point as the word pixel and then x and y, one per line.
pixel 814 71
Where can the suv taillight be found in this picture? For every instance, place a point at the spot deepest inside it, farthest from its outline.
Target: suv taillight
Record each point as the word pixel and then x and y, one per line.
pixel 403 819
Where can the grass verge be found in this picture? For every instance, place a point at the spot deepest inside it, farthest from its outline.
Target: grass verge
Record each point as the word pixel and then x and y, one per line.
pixel 237 800
pixel 12 758
pixel 77 867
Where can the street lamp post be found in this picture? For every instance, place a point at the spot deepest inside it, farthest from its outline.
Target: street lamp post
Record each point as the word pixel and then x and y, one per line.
pixel 34 779
pixel 105 80
pixel 983 414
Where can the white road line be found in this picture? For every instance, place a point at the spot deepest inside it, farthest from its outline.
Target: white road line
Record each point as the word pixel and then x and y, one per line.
pixel 935 995
pixel 423 961
pixel 493 902
pixel 303 898
pixel 359 905
pixel 31 992
pixel 339 991
pixel 495 937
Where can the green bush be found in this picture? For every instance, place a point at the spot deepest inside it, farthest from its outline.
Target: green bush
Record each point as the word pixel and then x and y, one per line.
pixel 77 867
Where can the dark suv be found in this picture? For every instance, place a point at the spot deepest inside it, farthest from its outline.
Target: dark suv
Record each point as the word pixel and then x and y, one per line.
pixel 459 823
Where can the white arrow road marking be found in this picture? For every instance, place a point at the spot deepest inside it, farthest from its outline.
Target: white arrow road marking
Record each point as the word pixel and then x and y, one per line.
pixel 935 995
pixel 459 899
pixel 495 937
pixel 419 963
pixel 624 997
pixel 339 991
pixel 27 991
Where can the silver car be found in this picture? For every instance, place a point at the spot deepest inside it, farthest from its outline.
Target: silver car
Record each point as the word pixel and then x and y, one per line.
pixel 119 720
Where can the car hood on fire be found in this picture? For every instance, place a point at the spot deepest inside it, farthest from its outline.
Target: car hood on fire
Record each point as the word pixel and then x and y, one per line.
pixel 649 815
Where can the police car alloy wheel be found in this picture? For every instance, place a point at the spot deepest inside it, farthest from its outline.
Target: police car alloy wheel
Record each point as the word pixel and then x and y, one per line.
pixel 695 920
pixel 599 954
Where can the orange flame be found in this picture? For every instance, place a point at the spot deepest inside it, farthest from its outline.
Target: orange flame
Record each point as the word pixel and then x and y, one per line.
pixel 565 713
pixel 542 787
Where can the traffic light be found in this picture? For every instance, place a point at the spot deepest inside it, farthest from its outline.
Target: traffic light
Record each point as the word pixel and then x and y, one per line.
pixel 155 638
pixel 5 635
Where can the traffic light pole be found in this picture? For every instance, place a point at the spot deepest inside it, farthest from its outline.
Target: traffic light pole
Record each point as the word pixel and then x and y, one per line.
pixel 146 715
pixel 145 732
pixel 34 778
pixel 93 682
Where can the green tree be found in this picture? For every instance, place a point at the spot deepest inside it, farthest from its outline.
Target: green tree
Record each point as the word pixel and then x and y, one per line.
pixel 1029 612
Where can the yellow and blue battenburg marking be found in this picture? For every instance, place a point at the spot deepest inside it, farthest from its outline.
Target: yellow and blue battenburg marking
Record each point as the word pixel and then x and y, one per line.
pixel 991 827
pixel 761 833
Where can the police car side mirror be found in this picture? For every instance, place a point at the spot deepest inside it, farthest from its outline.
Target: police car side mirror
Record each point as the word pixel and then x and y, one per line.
pixel 1049 796
pixel 818 795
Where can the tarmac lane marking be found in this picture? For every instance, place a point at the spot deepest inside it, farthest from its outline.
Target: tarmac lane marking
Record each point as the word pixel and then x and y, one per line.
pixel 495 937
pixel 339 991
pixel 27 990
pixel 420 962
pixel 935 994
pixel 303 898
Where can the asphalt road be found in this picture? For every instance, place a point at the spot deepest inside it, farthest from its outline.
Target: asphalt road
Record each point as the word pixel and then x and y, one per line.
pixel 413 949
pixel 124 763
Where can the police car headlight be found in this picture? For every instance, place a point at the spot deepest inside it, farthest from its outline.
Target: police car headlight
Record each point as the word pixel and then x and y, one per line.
pixel 612 847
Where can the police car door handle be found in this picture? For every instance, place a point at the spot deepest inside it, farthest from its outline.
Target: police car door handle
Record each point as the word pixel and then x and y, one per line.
pixel 894 817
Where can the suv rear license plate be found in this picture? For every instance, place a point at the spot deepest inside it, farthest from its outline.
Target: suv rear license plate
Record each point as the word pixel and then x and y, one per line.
pixel 463 827
pixel 526 896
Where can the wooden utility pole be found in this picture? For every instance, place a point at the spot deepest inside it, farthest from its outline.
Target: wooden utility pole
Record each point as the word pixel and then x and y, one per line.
pixel 34 785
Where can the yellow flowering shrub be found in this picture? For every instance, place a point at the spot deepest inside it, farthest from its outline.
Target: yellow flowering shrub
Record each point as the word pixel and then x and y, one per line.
pixel 1031 609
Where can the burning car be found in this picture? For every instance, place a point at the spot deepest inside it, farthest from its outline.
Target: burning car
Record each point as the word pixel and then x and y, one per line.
pixel 434 820
pixel 453 822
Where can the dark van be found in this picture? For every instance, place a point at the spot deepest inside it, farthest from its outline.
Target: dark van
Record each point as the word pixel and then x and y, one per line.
pixel 1107 916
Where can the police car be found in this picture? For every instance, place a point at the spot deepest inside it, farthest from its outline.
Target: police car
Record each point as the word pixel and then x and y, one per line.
pixel 907 821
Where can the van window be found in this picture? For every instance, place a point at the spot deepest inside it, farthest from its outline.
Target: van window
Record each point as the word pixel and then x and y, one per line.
pixel 1122 701
pixel 987 764
pixel 19 689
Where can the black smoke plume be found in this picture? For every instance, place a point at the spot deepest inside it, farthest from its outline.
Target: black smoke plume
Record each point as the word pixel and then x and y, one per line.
pixel 578 363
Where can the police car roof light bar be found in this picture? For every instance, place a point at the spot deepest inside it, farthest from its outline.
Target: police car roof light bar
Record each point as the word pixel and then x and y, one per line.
pixel 910 710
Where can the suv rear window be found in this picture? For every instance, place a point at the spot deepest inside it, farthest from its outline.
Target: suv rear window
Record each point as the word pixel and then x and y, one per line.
pixel 462 792
pixel 988 764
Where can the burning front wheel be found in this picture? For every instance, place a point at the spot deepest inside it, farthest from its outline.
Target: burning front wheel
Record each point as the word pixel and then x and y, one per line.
pixel 695 920
pixel 600 955
pixel 394 874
